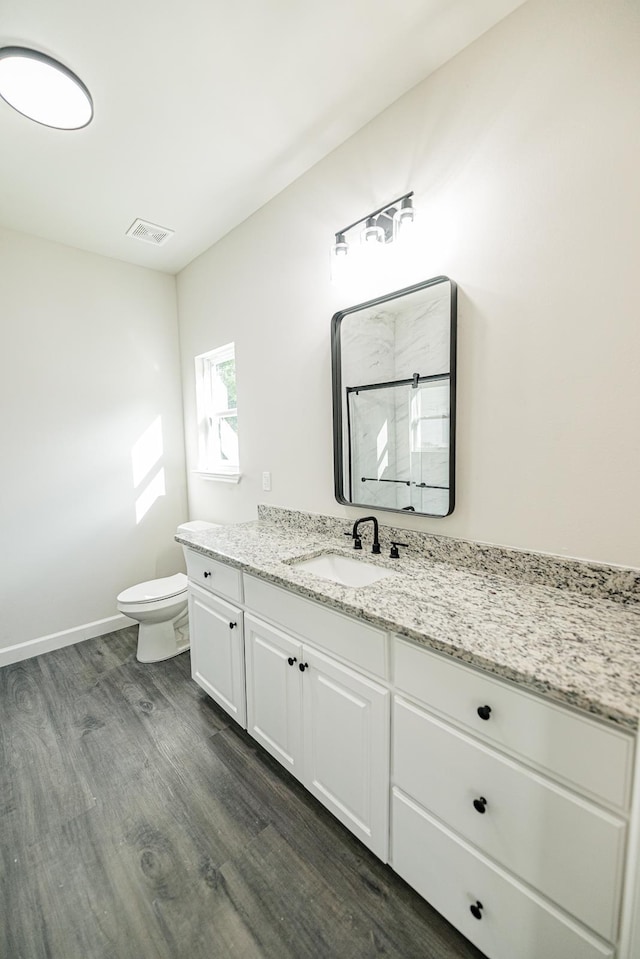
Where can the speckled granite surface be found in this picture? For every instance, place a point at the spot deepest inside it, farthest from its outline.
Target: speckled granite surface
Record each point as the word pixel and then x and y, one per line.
pixel 578 645
pixel 590 579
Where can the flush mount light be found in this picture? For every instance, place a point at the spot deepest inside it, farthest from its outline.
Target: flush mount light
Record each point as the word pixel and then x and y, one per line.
pixel 40 88
pixel 380 226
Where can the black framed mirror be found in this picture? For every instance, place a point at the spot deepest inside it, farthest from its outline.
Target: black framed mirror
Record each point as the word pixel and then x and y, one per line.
pixel 394 382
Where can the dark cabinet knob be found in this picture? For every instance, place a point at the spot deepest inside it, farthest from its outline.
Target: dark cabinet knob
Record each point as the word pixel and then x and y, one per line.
pixel 303 666
pixel 476 910
pixel 291 660
pixel 480 805
pixel 207 574
pixel 232 625
pixel 484 712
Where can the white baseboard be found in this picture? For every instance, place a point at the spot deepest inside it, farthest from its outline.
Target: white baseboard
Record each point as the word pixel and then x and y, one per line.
pixel 45 644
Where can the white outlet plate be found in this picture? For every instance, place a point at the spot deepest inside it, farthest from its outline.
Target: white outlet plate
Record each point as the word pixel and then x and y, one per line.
pixel 266 481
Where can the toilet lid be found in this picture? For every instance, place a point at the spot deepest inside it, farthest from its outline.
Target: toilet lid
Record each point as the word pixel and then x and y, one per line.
pixel 163 588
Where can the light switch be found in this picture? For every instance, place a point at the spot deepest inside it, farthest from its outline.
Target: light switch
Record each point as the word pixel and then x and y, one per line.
pixel 266 481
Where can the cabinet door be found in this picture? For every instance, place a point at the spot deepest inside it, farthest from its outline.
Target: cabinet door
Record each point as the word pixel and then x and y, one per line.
pixel 346 747
pixel 217 651
pixel 274 713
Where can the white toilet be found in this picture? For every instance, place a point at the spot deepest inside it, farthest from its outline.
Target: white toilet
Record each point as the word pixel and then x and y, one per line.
pixel 160 607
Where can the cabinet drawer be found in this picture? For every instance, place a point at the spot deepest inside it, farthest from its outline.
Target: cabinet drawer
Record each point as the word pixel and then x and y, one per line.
pixel 214 576
pixel 354 641
pixel 562 742
pixel 514 921
pixel 565 847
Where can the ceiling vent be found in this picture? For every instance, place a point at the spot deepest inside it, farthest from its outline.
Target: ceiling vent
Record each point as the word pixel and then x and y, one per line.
pixel 149 232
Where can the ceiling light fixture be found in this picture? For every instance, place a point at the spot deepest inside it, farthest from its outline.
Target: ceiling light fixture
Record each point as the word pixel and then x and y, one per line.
pixel 381 226
pixel 40 88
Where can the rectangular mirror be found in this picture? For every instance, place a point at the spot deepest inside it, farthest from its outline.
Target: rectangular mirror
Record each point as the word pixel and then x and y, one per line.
pixel 393 364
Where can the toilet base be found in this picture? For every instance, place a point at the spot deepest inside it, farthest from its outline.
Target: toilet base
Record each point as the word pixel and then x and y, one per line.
pixel 160 641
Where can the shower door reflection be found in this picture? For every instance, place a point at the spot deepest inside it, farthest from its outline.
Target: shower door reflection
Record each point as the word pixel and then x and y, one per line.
pixel 399 445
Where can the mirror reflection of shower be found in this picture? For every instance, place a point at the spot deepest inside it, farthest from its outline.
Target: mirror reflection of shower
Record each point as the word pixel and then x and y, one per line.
pixel 394 379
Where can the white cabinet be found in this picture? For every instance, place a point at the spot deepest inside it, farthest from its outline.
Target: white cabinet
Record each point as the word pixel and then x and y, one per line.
pixel 217 650
pixel 326 723
pixel 509 812
pixel 569 849
pixel 493 808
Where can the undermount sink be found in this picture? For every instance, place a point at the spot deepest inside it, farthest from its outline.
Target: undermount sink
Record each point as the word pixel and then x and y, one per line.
pixel 345 570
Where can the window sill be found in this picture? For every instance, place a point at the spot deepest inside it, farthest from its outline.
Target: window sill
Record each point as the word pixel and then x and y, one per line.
pixel 218 477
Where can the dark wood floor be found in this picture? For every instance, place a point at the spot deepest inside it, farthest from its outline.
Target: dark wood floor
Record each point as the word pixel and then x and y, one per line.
pixel 138 822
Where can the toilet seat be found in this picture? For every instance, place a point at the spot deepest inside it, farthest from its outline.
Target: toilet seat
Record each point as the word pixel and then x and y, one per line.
pixel 155 590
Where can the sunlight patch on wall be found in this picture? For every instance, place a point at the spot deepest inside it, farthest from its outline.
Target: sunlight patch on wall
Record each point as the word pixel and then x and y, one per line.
pixel 147 451
pixel 148 473
pixel 151 493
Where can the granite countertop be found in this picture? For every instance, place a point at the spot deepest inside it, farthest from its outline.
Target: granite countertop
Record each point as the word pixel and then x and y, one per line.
pixel 574 648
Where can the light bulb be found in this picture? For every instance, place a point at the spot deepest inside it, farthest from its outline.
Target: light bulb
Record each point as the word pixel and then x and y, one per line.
pixel 340 260
pixel 404 216
pixel 340 248
pixel 372 233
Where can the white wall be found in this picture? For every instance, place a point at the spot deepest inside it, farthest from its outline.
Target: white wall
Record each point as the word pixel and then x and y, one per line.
pixel 89 359
pixel 524 154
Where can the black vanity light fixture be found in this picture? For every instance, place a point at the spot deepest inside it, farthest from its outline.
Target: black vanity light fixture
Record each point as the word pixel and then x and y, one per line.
pixel 383 225
pixel 44 90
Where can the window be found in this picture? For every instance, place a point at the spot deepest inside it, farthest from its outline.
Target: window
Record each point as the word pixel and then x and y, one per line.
pixel 430 417
pixel 217 414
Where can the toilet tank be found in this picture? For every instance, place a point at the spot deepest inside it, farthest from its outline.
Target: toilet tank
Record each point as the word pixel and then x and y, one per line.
pixel 196 526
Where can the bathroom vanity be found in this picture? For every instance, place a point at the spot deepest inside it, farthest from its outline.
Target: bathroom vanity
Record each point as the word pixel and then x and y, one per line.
pixel 472 722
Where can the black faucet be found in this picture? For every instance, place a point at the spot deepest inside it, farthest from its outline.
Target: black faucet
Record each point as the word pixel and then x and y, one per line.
pixel 357 542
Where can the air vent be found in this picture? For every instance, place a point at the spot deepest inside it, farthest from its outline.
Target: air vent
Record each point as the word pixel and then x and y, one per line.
pixel 149 232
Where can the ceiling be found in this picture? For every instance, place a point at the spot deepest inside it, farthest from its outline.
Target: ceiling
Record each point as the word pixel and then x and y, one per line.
pixel 206 109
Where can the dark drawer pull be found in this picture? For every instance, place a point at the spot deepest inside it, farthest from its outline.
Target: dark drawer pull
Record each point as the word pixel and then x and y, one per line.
pixel 476 910
pixel 291 660
pixel 484 712
pixel 232 625
pixel 303 666
pixel 207 574
pixel 480 805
